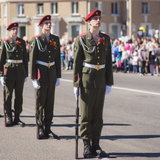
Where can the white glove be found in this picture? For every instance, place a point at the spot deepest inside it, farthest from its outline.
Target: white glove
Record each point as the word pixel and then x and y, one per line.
pixel 35 84
pixel 57 82
pixel 76 91
pixel 3 83
pixel 108 89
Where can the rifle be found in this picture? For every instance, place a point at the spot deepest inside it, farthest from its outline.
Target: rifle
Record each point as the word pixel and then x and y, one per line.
pixel 4 100
pixel 77 124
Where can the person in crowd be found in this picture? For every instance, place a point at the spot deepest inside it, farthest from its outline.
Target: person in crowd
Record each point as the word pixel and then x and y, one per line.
pixel 63 57
pixel 152 59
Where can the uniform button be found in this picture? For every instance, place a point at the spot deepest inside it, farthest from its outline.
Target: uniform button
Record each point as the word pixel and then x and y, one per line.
pixel 16 55
pixel 16 65
pixel 98 57
pixel 97 63
pixel 49 51
pixel 49 56
pixel 16 51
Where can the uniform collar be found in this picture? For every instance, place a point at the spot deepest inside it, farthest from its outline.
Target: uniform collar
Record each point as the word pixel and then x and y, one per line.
pixel 90 37
pixel 43 36
pixel 12 41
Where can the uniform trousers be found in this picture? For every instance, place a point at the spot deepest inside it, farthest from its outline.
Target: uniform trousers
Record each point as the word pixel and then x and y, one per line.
pixel 91 108
pixel 17 86
pixel 45 104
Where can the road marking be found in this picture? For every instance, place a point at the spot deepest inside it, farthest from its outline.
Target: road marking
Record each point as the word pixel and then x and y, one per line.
pixel 138 91
pixel 126 89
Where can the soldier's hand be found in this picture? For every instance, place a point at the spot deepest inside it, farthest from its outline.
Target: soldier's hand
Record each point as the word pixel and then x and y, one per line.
pixel 57 82
pixel 76 91
pixel 36 84
pixel 108 89
pixel 2 79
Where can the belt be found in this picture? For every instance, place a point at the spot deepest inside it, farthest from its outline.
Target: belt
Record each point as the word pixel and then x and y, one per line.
pixel 14 61
pixel 97 66
pixel 49 64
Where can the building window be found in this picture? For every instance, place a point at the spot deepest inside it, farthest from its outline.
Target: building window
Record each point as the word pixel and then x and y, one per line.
pixel 114 8
pixel 75 8
pixel 96 5
pixel 114 31
pixel 22 31
pixel 99 5
pixel 145 8
pixel 54 8
pixel 20 9
pixel 40 9
pixel 5 10
pixel 75 30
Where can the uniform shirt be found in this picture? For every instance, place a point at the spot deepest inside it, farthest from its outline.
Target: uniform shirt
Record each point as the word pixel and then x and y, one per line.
pixel 46 52
pixel 13 50
pixel 93 53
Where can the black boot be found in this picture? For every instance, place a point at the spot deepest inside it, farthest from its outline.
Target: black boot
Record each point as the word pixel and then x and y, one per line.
pixel 17 121
pixel 87 149
pixel 48 133
pixel 97 151
pixel 8 120
pixel 40 133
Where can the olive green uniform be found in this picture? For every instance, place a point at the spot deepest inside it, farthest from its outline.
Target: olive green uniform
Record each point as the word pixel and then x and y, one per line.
pixel 13 72
pixel 46 52
pixel 92 81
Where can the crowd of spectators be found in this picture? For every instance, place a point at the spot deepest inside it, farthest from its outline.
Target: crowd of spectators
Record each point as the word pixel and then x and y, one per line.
pixel 67 56
pixel 141 55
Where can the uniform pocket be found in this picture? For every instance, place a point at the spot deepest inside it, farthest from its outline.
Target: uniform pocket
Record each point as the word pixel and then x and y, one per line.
pixel 87 77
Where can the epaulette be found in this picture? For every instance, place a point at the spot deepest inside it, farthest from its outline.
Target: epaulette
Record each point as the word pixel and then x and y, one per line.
pixel 81 35
pixel 37 36
pixel 6 39
pixel 104 33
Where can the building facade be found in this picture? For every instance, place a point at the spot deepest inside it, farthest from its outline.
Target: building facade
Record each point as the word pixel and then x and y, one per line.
pixel 119 17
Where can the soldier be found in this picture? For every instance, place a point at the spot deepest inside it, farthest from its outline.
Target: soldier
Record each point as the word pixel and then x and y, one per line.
pixel 45 74
pixel 13 73
pixel 93 74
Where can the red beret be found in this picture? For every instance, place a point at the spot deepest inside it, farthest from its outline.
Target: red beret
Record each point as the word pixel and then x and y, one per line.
pixel 10 26
pixel 92 14
pixel 45 18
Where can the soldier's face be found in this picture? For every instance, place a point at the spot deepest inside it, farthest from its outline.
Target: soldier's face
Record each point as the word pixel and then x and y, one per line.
pixel 95 21
pixel 13 31
pixel 47 25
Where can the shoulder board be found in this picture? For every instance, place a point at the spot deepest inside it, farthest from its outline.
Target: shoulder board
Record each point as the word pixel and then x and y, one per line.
pixel 6 39
pixel 37 35
pixel 54 35
pixel 81 35
pixel 104 33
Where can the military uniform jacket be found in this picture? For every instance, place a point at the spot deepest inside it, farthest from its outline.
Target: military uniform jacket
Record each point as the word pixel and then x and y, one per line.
pixel 86 50
pixel 16 51
pixel 48 52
